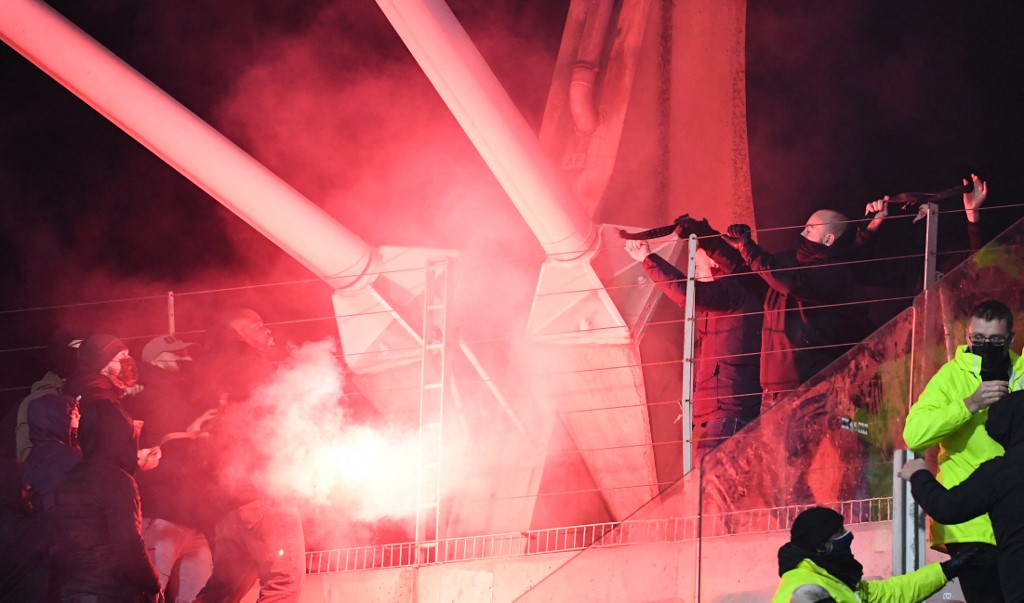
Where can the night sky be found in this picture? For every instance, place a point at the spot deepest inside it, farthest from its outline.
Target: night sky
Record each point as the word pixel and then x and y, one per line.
pixel 847 101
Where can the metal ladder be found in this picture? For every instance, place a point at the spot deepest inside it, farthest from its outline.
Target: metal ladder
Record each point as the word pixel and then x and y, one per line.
pixel 434 381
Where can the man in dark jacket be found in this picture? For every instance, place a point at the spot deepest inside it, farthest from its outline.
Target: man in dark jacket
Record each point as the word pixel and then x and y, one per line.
pixel 259 537
pixel 727 391
pixel 807 320
pixel 996 488
pixel 99 516
pixel 175 495
pixel 105 375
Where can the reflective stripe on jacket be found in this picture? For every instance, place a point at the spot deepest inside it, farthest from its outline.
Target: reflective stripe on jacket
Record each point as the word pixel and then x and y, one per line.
pixel 940 417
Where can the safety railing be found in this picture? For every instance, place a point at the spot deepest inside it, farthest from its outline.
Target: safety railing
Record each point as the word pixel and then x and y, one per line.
pixel 631 532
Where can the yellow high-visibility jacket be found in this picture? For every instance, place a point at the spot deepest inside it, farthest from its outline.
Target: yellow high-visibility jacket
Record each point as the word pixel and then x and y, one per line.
pixel 908 588
pixel 940 417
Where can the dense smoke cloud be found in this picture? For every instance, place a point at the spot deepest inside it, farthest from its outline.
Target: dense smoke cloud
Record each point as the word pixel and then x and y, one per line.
pixel 293 439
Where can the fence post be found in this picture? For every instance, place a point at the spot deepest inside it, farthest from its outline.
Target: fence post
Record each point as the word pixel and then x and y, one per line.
pixel 689 328
pixel 170 313
pixel 908 521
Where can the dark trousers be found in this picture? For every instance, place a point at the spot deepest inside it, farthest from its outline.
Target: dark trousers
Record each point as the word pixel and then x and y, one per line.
pixel 980 580
pixel 259 540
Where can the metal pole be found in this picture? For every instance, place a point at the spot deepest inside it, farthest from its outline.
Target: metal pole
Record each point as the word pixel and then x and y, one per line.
pixel 689 326
pixel 909 539
pixel 170 312
pixel 495 126
pixel 187 143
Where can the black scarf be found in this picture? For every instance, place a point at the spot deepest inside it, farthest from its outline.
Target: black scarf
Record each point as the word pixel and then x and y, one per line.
pixel 842 567
pixel 809 252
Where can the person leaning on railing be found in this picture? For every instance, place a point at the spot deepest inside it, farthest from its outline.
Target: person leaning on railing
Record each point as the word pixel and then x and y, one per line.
pixel 728 299
pixel 807 314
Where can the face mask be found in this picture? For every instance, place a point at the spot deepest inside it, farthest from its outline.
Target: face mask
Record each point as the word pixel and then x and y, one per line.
pixel 841 545
pixel 129 373
pixel 990 352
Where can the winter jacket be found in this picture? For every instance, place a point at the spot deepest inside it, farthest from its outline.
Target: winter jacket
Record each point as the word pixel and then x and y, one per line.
pixel 51 383
pixel 172 490
pixel 803 332
pixel 908 588
pixel 99 514
pixel 52 453
pixel 995 488
pixel 940 417
pixel 728 336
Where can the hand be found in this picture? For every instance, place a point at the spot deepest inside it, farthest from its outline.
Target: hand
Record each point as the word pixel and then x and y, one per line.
pixel 638 249
pixel 967 557
pixel 881 210
pixel 987 394
pixel 974 199
pixel 922 213
pixel 686 226
pixel 200 423
pixel 149 458
pixel 737 236
pixel 911 467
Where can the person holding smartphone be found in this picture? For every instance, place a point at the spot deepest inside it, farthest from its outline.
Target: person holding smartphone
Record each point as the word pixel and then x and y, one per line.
pixel 951 413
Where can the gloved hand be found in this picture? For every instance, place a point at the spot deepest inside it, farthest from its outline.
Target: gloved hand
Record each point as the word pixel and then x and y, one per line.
pixel 685 226
pixel 966 558
pixel 737 236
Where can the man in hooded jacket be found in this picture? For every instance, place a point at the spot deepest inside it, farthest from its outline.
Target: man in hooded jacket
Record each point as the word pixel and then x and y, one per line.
pixel 952 412
pixel 995 488
pixel 99 516
pixel 818 552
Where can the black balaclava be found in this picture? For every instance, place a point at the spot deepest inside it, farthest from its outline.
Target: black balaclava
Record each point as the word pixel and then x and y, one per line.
pixel 811 529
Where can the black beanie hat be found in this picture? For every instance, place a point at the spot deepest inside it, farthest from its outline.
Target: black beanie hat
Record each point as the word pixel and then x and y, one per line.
pixel 97 351
pixel 814 527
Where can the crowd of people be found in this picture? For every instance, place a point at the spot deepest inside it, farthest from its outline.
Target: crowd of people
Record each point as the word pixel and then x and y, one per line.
pixel 115 490
pixel 766 323
pixel 793 311
pixel 973 410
